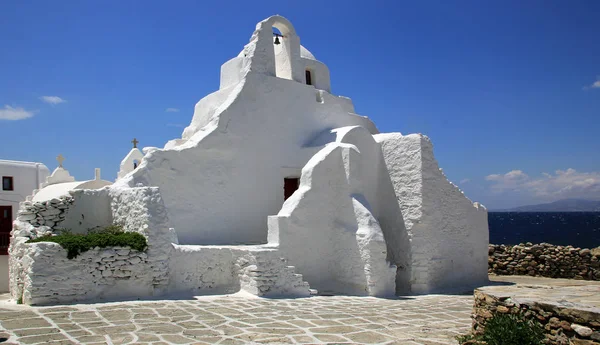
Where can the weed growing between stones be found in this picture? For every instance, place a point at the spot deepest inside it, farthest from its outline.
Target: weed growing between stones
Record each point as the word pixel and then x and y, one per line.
pixel 111 236
pixel 507 329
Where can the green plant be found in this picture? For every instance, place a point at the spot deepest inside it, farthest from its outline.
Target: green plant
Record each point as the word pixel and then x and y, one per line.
pixel 64 231
pixel 464 338
pixel 508 329
pixel 112 236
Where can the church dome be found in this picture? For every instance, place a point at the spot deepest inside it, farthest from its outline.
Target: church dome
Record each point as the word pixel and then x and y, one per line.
pixel 305 53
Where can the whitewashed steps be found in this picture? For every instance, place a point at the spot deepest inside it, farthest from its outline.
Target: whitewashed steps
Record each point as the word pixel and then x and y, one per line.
pixel 267 274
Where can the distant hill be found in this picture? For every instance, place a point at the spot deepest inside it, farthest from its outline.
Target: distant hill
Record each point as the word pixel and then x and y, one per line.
pixel 566 205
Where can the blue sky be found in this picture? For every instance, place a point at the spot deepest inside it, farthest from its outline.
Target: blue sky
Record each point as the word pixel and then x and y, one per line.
pixel 508 91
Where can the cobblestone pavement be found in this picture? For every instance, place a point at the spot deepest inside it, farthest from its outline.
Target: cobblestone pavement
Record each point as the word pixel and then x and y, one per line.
pixel 426 320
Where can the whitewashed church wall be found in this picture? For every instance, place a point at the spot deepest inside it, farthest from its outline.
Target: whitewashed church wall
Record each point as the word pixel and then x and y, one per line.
pixel 371 179
pixel 142 210
pixel 206 270
pixel 89 209
pixel 336 246
pixel 319 74
pixel 205 110
pixel 238 166
pixel 231 72
pixel 449 233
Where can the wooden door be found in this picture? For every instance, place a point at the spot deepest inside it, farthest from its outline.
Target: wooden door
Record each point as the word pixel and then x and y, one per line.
pixel 5 228
pixel 290 184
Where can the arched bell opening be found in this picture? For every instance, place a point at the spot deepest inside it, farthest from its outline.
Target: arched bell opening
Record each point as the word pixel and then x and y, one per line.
pixel 281 49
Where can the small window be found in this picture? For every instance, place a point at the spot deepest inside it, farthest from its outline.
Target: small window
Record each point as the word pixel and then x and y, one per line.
pixel 290 185
pixel 135 163
pixel 308 78
pixel 7 183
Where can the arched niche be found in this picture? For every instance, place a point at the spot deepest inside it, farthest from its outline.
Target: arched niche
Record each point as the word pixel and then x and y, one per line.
pixel 282 47
pixel 283 60
pixel 283 25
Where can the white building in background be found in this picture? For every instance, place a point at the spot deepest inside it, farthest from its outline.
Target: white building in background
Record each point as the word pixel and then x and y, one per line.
pixel 131 161
pixel 19 180
pixel 60 183
pixel 276 186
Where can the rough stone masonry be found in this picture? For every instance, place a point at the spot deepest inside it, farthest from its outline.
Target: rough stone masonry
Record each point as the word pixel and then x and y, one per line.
pixel 544 260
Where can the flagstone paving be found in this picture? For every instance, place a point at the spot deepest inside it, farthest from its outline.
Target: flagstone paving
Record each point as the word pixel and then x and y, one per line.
pixel 425 320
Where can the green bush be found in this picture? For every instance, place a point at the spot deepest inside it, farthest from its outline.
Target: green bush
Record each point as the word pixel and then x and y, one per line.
pixel 509 329
pixel 112 236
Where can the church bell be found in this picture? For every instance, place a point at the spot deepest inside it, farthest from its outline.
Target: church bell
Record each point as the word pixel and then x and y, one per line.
pixel 277 40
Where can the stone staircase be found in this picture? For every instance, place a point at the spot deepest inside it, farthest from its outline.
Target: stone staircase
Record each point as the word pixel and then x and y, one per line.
pixel 266 273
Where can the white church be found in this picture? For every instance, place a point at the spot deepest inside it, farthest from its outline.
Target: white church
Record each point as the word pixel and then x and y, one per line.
pixel 277 188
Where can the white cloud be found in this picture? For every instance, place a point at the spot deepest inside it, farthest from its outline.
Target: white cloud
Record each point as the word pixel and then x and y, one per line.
pixel 171 110
pixel 465 180
pixel 54 100
pixel 595 85
pixel 560 185
pixel 10 113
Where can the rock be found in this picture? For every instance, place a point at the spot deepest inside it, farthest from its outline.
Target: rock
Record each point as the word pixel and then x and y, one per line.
pixel 554 322
pixel 502 309
pixel 565 326
pixel 582 330
pixel 123 252
pixel 576 341
pixel 50 212
pixel 585 252
pixel 26 217
pixel 135 260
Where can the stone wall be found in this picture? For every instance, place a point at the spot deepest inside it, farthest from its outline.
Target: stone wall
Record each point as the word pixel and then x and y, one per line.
pixel 46 213
pixel 44 274
pixel 544 260
pixel 564 323
pixel 41 273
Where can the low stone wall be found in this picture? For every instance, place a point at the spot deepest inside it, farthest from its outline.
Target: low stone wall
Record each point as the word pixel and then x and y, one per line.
pixel 46 276
pixel 564 323
pixel 259 270
pixel 45 214
pixel 544 260
pixel 41 273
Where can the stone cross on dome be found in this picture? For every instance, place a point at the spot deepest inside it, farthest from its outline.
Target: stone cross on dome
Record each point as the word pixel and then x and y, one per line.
pixel 134 142
pixel 60 160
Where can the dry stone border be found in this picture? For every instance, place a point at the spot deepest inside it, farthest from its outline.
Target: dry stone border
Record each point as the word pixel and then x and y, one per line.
pixel 569 314
pixel 545 260
pixel 46 215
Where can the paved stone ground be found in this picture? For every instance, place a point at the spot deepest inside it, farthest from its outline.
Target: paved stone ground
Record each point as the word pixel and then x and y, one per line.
pixel 426 320
pixel 234 319
pixel 569 293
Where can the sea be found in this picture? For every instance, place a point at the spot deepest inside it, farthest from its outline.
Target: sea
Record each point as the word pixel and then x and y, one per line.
pixel 579 229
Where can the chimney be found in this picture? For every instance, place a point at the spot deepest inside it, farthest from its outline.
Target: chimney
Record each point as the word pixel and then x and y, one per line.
pixel 97 171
